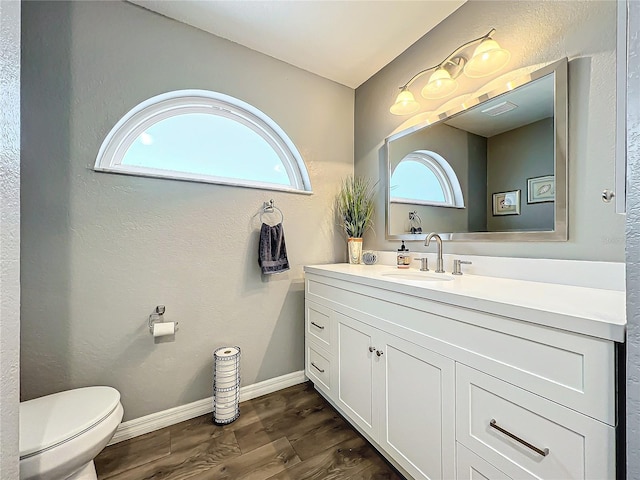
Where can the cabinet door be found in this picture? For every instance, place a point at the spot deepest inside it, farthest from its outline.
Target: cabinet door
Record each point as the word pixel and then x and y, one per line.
pixel 355 372
pixel 418 411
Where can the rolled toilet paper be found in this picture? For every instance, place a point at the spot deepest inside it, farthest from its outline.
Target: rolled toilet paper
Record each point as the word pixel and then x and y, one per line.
pixel 226 354
pixel 161 329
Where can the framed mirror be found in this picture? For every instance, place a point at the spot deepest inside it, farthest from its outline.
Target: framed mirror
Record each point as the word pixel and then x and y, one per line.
pixel 494 169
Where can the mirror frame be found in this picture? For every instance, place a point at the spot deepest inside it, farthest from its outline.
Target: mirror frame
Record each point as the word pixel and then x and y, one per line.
pixel 561 220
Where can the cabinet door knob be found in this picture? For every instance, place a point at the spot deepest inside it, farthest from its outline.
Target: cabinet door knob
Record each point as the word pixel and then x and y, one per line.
pixel 379 353
pixel 372 349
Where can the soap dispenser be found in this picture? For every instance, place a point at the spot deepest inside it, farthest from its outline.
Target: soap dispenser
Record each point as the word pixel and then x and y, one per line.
pixel 404 258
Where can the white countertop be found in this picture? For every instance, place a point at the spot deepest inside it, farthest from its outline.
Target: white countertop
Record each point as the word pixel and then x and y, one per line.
pixel 588 311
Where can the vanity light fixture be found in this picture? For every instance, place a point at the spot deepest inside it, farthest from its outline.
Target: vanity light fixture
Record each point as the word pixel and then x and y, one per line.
pixel 487 58
pixel 405 103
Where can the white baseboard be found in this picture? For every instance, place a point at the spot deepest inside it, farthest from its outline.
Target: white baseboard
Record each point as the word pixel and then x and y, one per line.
pixel 166 418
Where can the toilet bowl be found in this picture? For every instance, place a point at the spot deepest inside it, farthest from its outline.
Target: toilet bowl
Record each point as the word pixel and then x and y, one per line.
pixel 61 434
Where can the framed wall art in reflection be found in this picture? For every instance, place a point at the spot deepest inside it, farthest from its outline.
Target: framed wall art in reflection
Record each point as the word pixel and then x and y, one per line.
pixel 541 189
pixel 506 203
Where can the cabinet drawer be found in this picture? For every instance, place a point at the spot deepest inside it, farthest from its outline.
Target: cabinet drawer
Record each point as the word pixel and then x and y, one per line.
pixel 318 323
pixel 471 467
pixel 318 367
pixel 491 413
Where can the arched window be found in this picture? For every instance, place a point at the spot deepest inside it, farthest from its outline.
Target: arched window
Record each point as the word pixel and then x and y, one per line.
pixel 203 136
pixel 425 178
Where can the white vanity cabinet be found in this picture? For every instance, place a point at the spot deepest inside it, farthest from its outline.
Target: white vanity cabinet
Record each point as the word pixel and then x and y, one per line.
pixel 448 392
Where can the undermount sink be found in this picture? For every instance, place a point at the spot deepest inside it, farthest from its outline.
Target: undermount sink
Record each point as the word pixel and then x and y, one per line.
pixel 419 276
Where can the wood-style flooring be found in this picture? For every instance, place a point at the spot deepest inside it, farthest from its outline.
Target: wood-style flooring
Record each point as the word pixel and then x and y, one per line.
pixel 292 434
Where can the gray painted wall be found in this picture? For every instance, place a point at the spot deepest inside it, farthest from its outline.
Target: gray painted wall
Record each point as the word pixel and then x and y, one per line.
pixel 9 237
pixel 515 156
pixel 535 32
pixel 100 251
pixel 477 196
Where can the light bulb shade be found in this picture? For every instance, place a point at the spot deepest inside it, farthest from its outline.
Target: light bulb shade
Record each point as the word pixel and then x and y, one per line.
pixel 405 103
pixel 440 85
pixel 488 58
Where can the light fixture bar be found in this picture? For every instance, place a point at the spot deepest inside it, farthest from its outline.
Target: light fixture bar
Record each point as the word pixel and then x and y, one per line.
pixel 416 76
pixel 487 59
pixel 468 44
pixel 449 58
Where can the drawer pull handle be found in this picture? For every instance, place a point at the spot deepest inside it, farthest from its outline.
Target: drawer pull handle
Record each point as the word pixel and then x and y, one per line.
pixel 317 367
pixel 321 327
pixel 493 424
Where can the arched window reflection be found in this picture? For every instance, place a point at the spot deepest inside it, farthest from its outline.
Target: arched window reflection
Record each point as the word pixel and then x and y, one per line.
pixel 426 178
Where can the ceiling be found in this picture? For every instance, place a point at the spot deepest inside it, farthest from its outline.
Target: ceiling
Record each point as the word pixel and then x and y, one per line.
pixel 346 41
pixel 533 101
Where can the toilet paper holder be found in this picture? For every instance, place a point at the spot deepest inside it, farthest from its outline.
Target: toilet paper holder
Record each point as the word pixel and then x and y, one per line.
pixel 157 317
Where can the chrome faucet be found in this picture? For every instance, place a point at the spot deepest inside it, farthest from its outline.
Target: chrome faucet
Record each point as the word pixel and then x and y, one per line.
pixel 439 268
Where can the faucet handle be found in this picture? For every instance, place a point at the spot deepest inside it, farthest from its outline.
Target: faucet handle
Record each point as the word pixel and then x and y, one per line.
pixel 424 264
pixel 457 266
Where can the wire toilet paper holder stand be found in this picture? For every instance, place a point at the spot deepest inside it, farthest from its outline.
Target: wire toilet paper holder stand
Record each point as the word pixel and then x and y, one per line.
pixel 226 385
pixel 157 317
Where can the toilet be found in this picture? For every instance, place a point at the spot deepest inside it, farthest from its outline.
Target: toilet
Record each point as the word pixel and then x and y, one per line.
pixel 61 434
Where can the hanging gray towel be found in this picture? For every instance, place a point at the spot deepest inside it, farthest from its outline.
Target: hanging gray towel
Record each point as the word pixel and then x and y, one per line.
pixel 272 252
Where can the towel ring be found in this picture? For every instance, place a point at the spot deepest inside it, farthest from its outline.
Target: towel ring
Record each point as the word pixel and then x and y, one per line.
pixel 269 207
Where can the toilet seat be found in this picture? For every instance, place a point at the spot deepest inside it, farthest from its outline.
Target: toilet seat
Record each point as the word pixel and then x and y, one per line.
pixel 47 422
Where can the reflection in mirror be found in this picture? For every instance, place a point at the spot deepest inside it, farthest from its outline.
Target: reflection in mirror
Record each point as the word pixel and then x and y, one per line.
pixel 425 178
pixel 460 174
